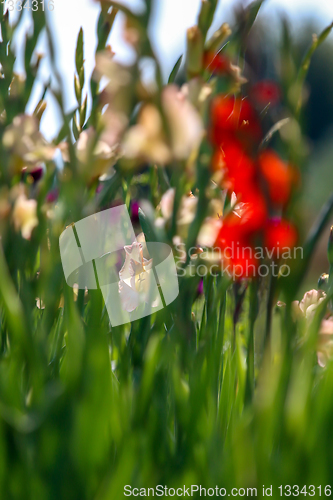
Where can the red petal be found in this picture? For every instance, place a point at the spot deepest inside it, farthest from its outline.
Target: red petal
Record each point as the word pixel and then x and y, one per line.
pixel 279 235
pixel 278 175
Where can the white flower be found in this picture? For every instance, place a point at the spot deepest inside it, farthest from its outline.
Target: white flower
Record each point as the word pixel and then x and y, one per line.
pixel 167 202
pixel 186 127
pixel 325 342
pixel 147 141
pixel 209 231
pixel 308 305
pixel 95 157
pixel 198 93
pixel 25 215
pixel 186 214
pixel 305 309
pixel 187 209
pixel 84 144
pixel 118 76
pixel 26 143
pixel 135 278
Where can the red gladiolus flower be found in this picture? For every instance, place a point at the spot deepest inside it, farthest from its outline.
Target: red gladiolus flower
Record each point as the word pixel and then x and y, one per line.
pixel 235 133
pixel 278 175
pixel 234 117
pixel 218 64
pixel 255 214
pixel 238 253
pixel 240 169
pixel 266 92
pixel 223 119
pixel 280 235
pixel 244 265
pixel 251 221
pixel 230 232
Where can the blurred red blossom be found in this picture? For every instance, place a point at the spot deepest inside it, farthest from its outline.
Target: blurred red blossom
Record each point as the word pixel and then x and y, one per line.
pixel 280 234
pixel 216 63
pixel 278 175
pixel 234 239
pixel 234 117
pixel 266 92
pixel 236 134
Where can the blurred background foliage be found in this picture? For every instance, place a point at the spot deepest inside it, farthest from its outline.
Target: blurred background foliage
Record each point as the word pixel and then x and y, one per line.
pixel 317 119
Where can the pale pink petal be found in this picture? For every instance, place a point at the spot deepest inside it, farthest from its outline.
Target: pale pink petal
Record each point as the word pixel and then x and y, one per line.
pixel 129 298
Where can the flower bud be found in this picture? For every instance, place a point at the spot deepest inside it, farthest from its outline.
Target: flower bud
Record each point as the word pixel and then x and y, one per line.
pixel 39 58
pixel 323 282
pixel 219 37
pixel 77 88
pixel 195 50
pixel 36 173
pixel 83 112
pixel 205 16
pixel 52 196
pixel 81 77
pixel 17 85
pixel 40 108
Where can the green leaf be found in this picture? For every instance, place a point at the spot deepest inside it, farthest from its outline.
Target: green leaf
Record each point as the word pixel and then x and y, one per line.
pixel 125 10
pixel 12 305
pixel 251 14
pixel 303 71
pixel 293 282
pixel 175 70
pixel 147 227
pixel 318 228
pixel 75 341
pixel 273 130
pixel 206 15
pixel 64 129
pixel 109 191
